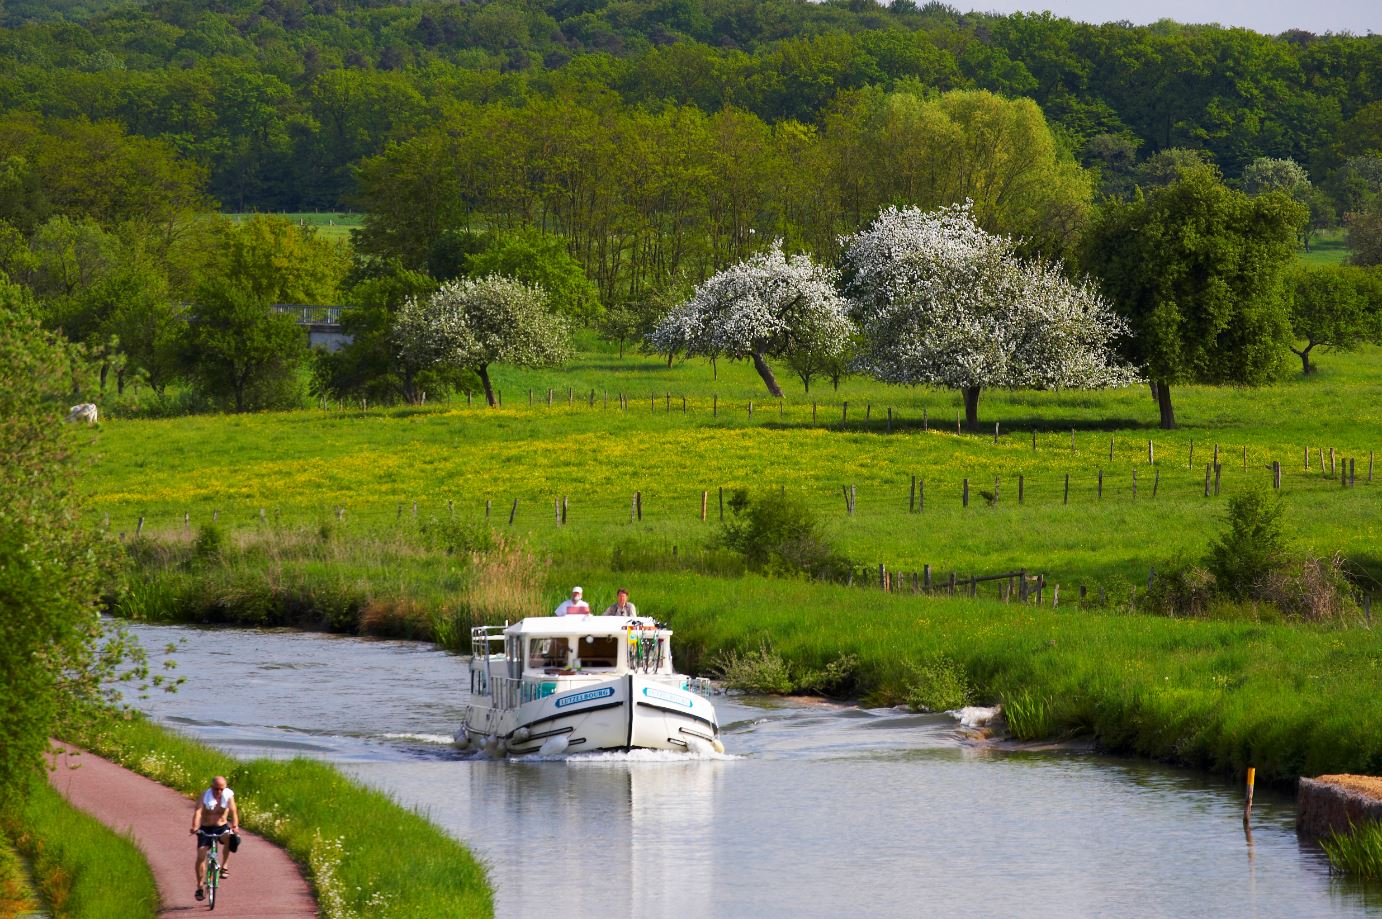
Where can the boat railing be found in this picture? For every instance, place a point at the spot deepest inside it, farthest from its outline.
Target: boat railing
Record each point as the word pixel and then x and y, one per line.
pixel 511 693
pixel 482 639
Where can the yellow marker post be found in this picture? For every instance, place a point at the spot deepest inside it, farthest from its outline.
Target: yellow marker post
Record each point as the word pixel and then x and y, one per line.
pixel 1247 806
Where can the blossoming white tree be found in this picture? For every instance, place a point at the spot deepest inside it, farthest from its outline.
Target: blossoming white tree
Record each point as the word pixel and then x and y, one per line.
pixel 474 322
pixel 769 305
pixel 943 302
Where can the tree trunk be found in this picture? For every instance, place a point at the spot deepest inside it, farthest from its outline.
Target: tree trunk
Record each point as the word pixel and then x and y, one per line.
pixel 766 373
pixel 670 355
pixel 1151 384
pixel 1163 401
pixel 971 394
pixel 1305 366
pixel 483 371
pixel 105 369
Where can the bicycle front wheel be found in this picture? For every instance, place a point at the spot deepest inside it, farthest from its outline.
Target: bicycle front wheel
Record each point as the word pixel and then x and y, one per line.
pixel 213 881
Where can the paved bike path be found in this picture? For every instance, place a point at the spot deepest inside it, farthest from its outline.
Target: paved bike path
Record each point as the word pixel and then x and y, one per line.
pixel 264 881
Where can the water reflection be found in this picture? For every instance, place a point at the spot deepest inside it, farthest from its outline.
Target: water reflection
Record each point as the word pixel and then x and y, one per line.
pixel 823 811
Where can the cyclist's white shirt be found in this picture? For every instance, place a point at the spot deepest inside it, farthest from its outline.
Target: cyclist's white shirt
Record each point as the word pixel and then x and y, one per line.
pixel 210 803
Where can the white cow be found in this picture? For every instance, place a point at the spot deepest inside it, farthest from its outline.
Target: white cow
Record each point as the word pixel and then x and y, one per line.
pixel 84 412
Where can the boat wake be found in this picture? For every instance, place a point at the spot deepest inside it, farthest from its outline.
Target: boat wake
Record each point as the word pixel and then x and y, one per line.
pixel 620 757
pixel 438 739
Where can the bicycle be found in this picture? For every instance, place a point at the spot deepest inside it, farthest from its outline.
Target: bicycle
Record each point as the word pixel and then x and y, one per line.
pixel 213 870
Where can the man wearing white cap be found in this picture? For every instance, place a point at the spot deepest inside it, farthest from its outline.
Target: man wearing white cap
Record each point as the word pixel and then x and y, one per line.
pixel 575 606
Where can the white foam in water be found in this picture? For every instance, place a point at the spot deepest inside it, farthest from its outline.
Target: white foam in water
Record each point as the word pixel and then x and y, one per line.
pixel 423 738
pixel 974 716
pixel 620 757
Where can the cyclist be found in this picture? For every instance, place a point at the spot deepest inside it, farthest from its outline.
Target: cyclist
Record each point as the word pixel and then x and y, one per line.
pixel 215 817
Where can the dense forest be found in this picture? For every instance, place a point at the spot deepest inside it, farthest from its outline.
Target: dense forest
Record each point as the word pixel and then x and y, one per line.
pixel 278 100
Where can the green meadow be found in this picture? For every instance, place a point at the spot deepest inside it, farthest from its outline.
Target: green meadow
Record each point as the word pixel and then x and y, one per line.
pixel 375 470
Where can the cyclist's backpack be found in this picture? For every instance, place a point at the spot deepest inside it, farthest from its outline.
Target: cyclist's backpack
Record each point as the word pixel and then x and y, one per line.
pixel 233 844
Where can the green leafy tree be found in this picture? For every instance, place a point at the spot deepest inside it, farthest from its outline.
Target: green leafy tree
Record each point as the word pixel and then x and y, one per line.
pixel 539 259
pixel 1336 307
pixel 50 567
pixel 371 365
pixel 1197 270
pixel 472 323
pixel 274 260
pixel 242 353
pixel 1365 234
pixel 1252 545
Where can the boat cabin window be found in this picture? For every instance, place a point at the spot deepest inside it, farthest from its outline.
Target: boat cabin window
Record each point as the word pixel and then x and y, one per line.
pixel 598 651
pixel 549 652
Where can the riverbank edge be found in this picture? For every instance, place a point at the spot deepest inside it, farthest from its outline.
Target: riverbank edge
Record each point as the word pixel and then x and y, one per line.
pixel 346 837
pixel 79 868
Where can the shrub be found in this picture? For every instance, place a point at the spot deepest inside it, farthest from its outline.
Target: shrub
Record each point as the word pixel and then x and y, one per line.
pixel 938 684
pixel 777 534
pixel 210 543
pixel 1183 589
pixel 1029 716
pixel 1251 548
pixel 839 678
pixel 761 671
pixel 1314 589
pixel 455 537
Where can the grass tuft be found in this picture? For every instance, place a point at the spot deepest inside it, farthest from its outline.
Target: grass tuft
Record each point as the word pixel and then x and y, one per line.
pixel 1356 853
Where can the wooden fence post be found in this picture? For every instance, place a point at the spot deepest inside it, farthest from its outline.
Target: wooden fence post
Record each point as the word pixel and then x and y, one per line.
pixel 1110 449
pixel 1134 484
pixel 925 420
pixel 1207 471
pixel 638 503
pixel 1245 456
pixel 926 578
pixel 1151 454
pixel 715 405
pixel 882 577
pixel 890 419
pixel 722 503
pixel 1331 461
pixel 556 510
pixel 1033 440
pixel 868 412
pixel 750 409
pixel 950 587
pixel 564 500
pixel 844 412
pixel 912 497
pixel 139 526
pixel 1307 459
pixel 187 521
pixel 1217 469
pixel 1276 475
pixel 1072 440
pixel 1352 472
pixel 1066 499
pixel 995 490
pixel 813 411
pixel 1156 481
pixel 1101 483
pixel 995 432
pixel 513 511
pixel 1369 465
pixel 705 501
pixel 853 497
pixel 1191 464
pixel 921 495
pixel 1019 488
pixel 1055 596
pixel 1216 456
pixel 1022 585
pixel 965 499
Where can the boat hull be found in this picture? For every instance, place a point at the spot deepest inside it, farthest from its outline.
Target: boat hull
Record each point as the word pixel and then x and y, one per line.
pixel 622 713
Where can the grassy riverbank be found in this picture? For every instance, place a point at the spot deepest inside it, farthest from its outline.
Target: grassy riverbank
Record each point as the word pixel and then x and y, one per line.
pixel 366 856
pixel 83 869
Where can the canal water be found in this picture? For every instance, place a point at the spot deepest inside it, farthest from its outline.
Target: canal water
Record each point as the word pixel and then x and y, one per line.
pixel 815 811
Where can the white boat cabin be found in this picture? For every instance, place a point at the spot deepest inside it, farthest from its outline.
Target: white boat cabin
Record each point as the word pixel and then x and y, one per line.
pixel 531 658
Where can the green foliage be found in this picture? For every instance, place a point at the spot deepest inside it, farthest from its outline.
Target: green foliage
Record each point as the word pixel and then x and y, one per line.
pixel 779 534
pixel 761 670
pixel 50 566
pixel 1252 545
pixel 83 869
pixel 938 684
pixel 1365 233
pixel 244 355
pixel 1196 268
pixel 540 260
pixel 210 542
pixel 1356 853
pixel 1029 716
pixel 1335 307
